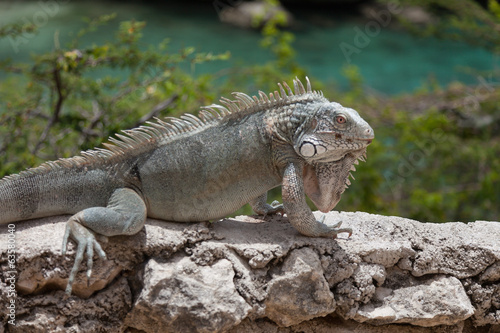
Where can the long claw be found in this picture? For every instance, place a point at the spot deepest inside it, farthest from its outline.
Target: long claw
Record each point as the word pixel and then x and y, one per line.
pixel 348 230
pixel 99 249
pixel 336 225
pixel 90 255
pixel 86 245
pixel 65 240
pixel 334 230
pixel 274 208
pixel 261 207
pixel 78 260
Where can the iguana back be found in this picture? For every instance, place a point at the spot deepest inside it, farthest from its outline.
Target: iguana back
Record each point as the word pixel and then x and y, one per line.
pixel 185 170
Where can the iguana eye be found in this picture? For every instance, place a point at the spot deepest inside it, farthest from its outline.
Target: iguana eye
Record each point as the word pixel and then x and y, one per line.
pixel 340 119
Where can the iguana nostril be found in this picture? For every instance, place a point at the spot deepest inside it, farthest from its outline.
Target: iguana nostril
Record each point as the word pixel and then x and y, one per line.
pixel 369 133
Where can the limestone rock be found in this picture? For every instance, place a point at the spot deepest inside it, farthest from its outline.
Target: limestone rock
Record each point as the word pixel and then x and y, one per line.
pixel 300 292
pixel 439 300
pixel 248 274
pixel 250 14
pixel 50 312
pixel 385 13
pixel 180 296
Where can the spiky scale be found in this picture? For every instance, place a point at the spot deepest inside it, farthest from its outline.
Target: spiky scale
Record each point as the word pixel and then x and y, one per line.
pixel 271 97
pixel 282 91
pixel 309 89
pixel 263 97
pixel 290 92
pixel 299 87
pixel 231 106
pixel 244 97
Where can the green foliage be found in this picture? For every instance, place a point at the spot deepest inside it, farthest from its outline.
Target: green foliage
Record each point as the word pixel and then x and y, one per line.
pixel 274 37
pixel 494 7
pixel 435 156
pixel 279 41
pixel 77 96
pixel 438 150
pixel 16 29
pixel 463 20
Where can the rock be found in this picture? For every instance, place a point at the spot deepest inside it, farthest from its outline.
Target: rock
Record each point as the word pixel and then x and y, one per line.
pixel 417 15
pixel 251 14
pixel 181 296
pixel 332 324
pixel 50 312
pixel 440 300
pixel 385 13
pixel 246 274
pixel 299 292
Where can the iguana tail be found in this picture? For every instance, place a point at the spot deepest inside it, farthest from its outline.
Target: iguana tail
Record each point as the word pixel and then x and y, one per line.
pixel 54 188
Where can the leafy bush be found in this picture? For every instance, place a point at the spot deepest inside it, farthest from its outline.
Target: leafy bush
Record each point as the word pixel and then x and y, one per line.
pixel 72 98
pixel 435 157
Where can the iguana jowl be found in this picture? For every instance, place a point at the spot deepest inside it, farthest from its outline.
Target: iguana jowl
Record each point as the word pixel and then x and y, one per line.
pixel 200 168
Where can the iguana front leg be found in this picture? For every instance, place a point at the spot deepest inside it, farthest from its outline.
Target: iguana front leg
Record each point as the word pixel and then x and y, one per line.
pixel 261 207
pixel 299 214
pixel 125 214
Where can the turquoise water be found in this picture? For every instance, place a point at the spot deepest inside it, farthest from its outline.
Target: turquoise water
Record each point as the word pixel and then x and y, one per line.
pixel 392 62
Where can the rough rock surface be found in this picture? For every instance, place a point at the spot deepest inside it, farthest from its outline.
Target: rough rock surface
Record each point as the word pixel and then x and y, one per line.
pixel 249 274
pixel 250 14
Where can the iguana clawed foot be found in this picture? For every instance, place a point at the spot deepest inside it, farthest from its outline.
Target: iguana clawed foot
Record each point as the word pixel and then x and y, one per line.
pixel 261 207
pixel 334 230
pixel 86 243
pixel 125 214
pixel 275 208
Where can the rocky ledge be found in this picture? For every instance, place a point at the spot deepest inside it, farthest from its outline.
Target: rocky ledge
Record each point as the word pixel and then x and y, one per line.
pixel 249 274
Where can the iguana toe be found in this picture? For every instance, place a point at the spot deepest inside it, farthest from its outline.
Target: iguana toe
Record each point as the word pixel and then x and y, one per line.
pixel 334 230
pixel 86 244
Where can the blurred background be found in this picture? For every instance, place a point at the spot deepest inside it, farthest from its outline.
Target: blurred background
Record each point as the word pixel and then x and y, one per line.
pixel 425 74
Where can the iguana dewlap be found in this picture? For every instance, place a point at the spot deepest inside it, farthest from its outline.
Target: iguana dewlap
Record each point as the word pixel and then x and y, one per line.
pixel 200 168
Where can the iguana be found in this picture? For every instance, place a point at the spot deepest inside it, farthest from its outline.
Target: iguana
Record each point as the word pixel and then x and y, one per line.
pixel 200 168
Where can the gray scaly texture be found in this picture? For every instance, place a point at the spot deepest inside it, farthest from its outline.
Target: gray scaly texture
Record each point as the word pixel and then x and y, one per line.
pixel 200 168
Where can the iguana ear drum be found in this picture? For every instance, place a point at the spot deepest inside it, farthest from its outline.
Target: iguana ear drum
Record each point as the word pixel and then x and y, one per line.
pixel 309 149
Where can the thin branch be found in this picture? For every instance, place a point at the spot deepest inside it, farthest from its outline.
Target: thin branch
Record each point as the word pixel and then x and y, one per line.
pixel 57 110
pixel 157 109
pixel 89 130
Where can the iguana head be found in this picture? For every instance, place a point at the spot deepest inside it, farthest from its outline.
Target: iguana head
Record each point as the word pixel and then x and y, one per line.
pixel 330 143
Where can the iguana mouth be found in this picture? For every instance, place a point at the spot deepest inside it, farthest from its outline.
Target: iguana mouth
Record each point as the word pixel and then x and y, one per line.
pixel 324 183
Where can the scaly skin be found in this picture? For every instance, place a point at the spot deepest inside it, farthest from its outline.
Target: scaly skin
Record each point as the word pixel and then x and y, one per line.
pixel 197 169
